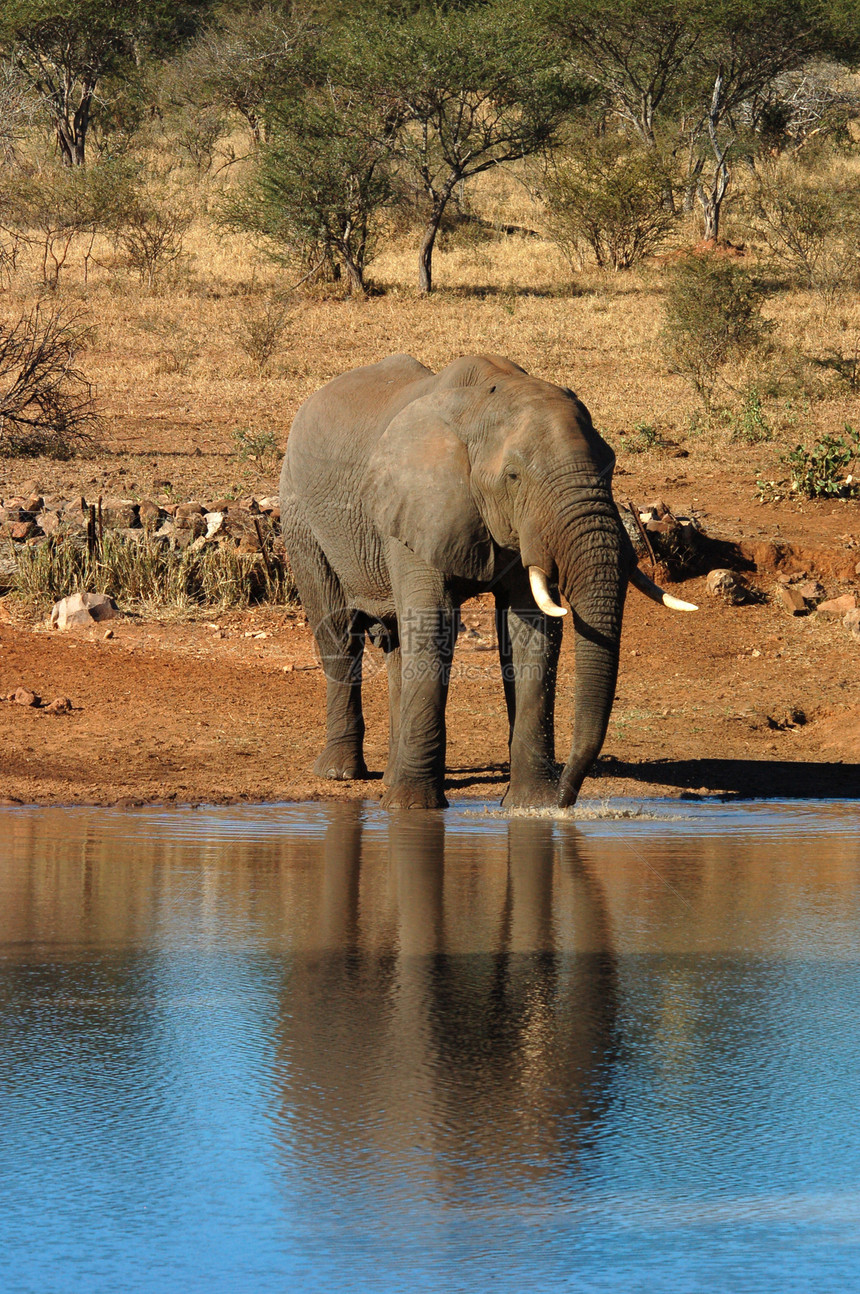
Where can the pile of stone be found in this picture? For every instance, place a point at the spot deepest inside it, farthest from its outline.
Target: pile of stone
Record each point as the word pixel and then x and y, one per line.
pixel 664 539
pixel 243 523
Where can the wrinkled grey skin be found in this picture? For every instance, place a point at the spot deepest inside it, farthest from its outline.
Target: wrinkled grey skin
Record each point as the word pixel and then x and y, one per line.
pixel 404 492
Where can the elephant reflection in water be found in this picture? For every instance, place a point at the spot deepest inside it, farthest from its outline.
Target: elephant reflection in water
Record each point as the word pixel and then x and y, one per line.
pixel 457 1013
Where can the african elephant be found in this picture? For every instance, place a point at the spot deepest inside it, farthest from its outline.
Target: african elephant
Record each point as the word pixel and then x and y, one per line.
pixel 405 492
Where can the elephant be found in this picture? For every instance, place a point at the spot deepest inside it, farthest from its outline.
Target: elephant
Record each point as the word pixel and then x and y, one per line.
pixel 403 493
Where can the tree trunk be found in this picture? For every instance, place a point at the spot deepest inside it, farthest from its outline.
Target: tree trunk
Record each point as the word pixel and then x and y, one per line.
pixel 425 255
pixel 431 229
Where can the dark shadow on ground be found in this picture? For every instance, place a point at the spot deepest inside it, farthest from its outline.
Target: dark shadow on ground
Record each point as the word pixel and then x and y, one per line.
pixel 737 779
pixel 742 778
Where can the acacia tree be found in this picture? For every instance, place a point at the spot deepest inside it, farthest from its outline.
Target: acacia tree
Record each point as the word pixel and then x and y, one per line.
pixel 458 91
pixel 747 45
pixel 67 48
pixel 320 185
pixel 247 61
pixel 695 64
pixel 636 52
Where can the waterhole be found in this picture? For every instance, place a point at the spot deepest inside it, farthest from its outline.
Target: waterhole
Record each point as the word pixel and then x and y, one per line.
pixel 323 1048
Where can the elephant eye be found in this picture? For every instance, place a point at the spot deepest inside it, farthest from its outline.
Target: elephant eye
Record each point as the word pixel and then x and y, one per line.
pixel 512 476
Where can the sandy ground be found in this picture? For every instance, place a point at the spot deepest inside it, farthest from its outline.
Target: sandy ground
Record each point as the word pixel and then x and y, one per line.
pixel 734 701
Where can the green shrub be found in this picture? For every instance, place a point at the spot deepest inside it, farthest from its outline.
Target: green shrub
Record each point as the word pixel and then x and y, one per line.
pixel 713 319
pixel 828 468
pixel 609 196
pixel 750 422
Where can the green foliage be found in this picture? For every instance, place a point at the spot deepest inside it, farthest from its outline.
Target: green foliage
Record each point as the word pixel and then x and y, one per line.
pixel 46 404
pixel 645 436
pixel 458 90
pixel 828 468
pixel 66 49
pixel 611 197
pixel 713 318
pixel 320 187
pixel 749 423
pixel 148 571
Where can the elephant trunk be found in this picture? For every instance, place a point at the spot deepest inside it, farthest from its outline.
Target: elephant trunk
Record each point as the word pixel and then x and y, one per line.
pixel 593 570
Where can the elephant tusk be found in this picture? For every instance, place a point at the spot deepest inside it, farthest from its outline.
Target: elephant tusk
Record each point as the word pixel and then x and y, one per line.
pixel 541 593
pixel 653 591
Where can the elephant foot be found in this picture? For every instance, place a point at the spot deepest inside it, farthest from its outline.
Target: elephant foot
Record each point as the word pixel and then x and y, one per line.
pixel 414 795
pixel 531 795
pixel 341 764
pixel 571 780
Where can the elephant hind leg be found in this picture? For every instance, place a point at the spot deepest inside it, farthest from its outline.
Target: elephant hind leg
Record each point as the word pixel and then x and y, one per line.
pixel 339 634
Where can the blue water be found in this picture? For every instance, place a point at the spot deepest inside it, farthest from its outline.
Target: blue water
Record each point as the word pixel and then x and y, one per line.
pixel 318 1048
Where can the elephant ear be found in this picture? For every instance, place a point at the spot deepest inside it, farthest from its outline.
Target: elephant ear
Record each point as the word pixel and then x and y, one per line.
pixel 418 491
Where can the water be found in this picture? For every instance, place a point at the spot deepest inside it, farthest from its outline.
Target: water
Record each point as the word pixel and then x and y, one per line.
pixel 318 1048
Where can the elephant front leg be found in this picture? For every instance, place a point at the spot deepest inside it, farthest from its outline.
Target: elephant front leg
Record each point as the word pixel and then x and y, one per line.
pixel 416 778
pixel 529 646
pixel 341 645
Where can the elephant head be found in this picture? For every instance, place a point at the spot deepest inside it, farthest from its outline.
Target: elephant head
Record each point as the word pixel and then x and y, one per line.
pixel 491 459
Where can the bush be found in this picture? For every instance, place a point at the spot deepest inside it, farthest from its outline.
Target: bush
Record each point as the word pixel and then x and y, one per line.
pixel 828 468
pixel 51 208
pixel 810 225
pixel 260 333
pixel 46 404
pixel 151 223
pixel 609 197
pixel 713 318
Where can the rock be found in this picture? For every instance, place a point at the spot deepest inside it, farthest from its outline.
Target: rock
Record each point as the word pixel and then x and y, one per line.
pixel 49 521
pixel 193 523
pixel 857 569
pixel 222 505
pixel 20 530
pixel 165 530
pixel 23 696
pixel 14 516
pixel 149 513
pixel 60 705
pixel 851 621
pixel 728 586
pixel 838 606
pixel 249 504
pixel 660 509
pixel 811 591
pixel 8 571
pixel 269 504
pixel 791 577
pixel 248 544
pixel 184 537
pixel 238 523
pixel 214 523
pixel 34 503
pixel 791 599
pixel 119 514
pixel 189 510
pixel 82 609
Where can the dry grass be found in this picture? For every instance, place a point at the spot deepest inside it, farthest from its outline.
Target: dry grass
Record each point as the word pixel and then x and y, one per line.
pixel 173 386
